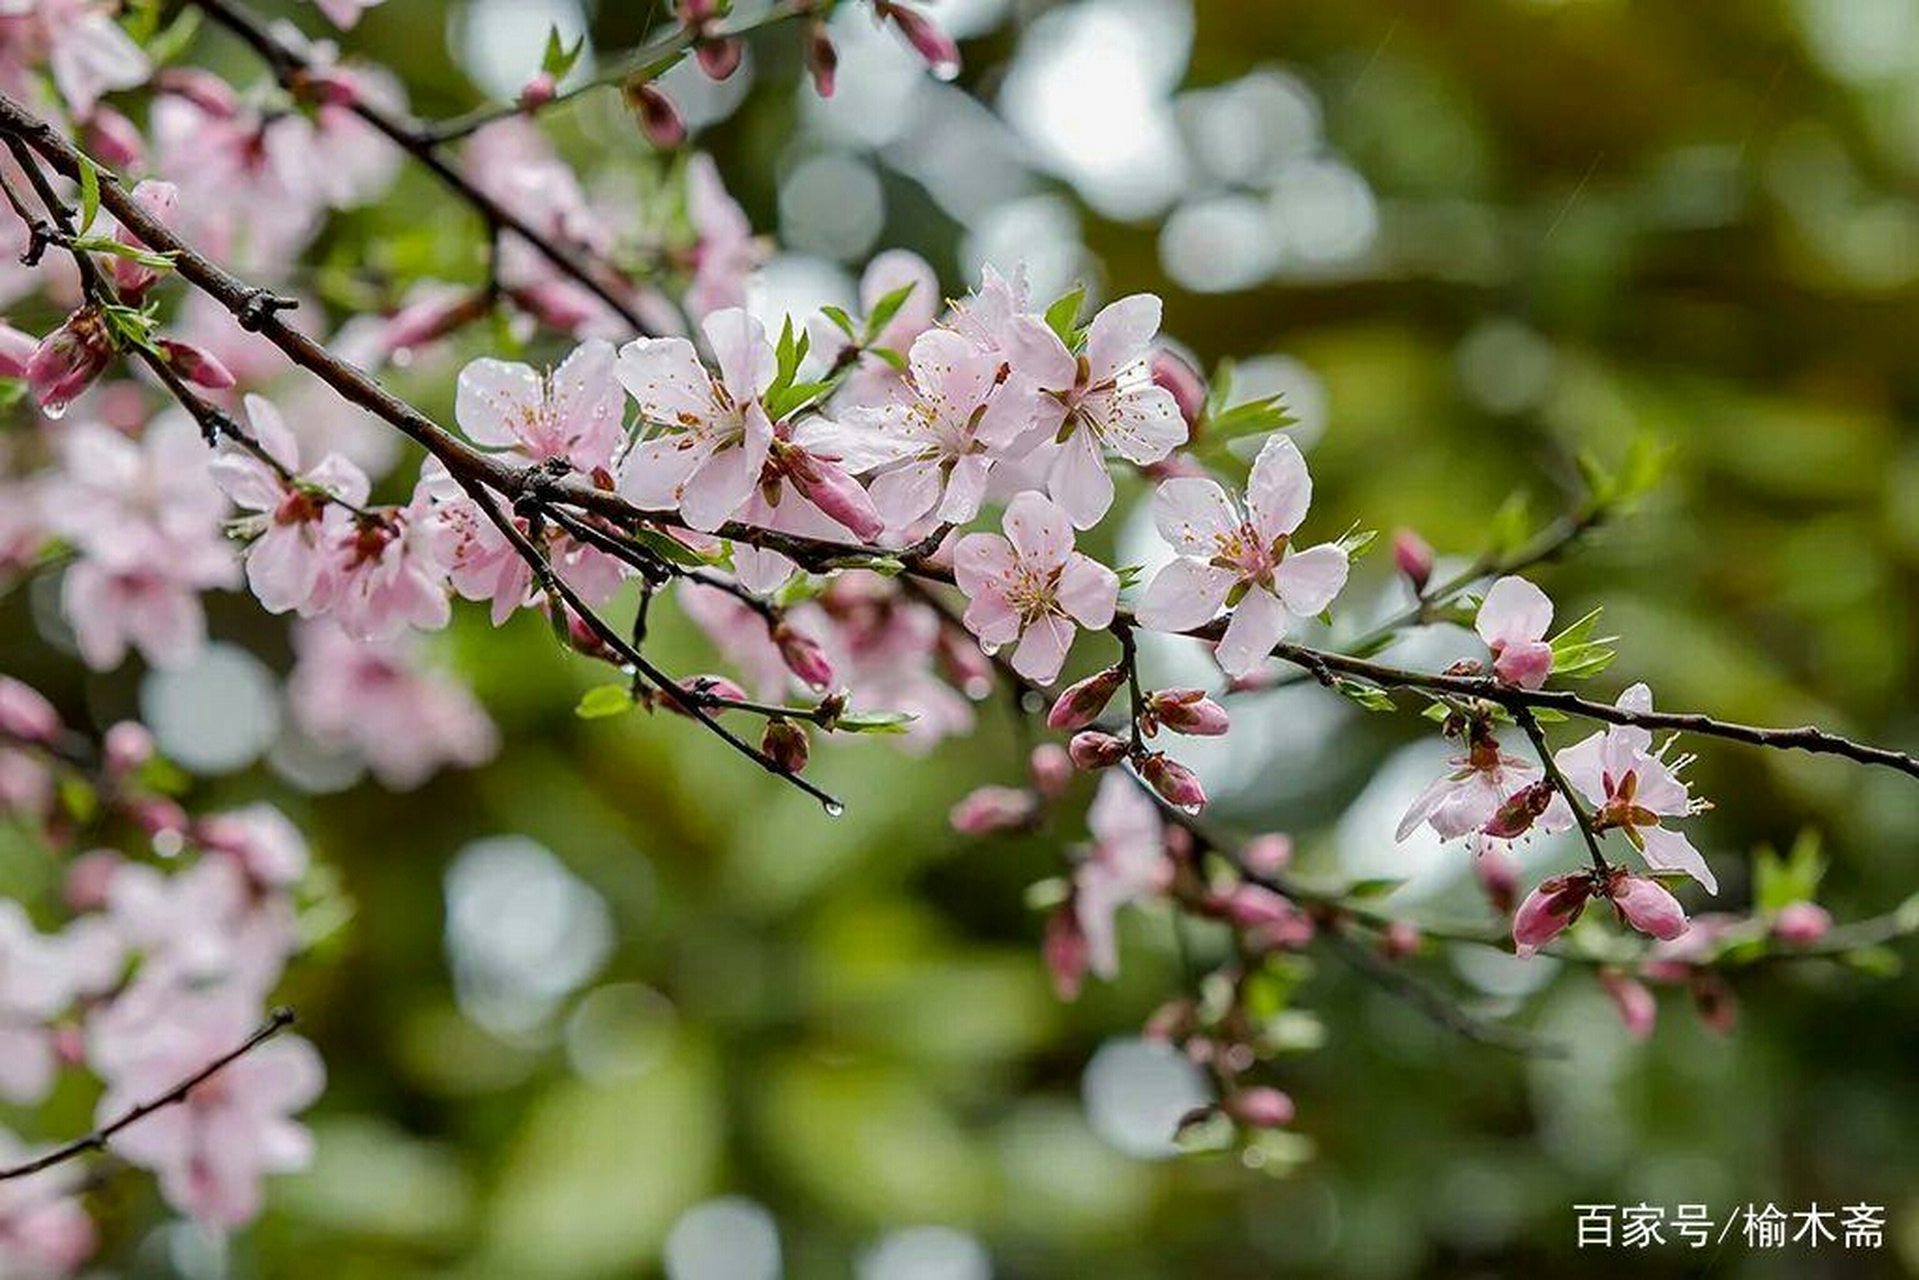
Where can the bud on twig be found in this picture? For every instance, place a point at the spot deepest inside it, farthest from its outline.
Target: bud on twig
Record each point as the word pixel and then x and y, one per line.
pixel 196 364
pixel 1261 1107
pixel 934 45
pixel 69 360
pixel 1177 784
pixel 1080 704
pixel 720 57
pixel 1093 750
pixel 785 744
pixel 656 115
pixel 1414 558
pixel 822 59
pixel 537 92
pixel 112 139
pixel 803 656
pixel 1052 769
pixel 990 809
pixel 1187 711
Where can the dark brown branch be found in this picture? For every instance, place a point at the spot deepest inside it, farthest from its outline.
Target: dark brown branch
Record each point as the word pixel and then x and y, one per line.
pixel 279 1020
pixel 1537 736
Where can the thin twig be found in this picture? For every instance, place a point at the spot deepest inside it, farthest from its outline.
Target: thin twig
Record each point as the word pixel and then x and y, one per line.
pixel 1537 736
pixel 279 1020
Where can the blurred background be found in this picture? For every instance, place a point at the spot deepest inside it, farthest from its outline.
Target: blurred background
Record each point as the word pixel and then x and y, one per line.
pixel 612 1005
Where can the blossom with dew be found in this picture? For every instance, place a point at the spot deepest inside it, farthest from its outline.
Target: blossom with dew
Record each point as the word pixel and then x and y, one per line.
pixel 1032 587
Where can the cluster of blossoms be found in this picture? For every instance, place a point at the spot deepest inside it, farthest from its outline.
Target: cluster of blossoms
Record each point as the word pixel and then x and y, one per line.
pixel 875 519
pixel 177 929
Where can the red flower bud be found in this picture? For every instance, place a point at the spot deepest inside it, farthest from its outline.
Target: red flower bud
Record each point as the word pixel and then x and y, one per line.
pixel 1548 910
pixel 1636 1006
pixel 1516 816
pixel 1065 952
pixel 112 139
pixel 537 92
pixel 720 58
pixel 1648 907
pixel 25 715
pixel 1080 704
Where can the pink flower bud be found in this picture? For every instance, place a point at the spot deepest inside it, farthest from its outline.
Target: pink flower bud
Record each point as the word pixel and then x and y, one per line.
pixel 326 86
pixel 710 686
pixel 1261 1107
pixel 128 746
pixel 537 92
pixel 1188 711
pixel 785 744
pixel 1174 781
pixel 88 878
pixel 159 200
pixel 1516 816
pixel 585 640
pixel 804 657
pixel 1065 952
pixel 112 139
pixel 829 486
pixel 16 349
pixel 1414 558
pixel 69 360
pixel 1268 854
pixel 822 59
pixel 658 118
pixel 1646 906
pixel 1052 769
pixel 1526 664
pixel 932 44
pixel 25 715
pixel 720 58
pixel 1080 704
pixel 1800 924
pixel 1400 940
pixel 1093 750
pixel 1172 372
pixel 1637 1008
pixel 196 364
pixel 1547 910
pixel 1498 875
pixel 158 816
pixel 992 809
pixel 1254 906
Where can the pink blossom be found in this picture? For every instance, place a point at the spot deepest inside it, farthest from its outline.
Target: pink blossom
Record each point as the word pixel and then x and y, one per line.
pixel 725 252
pixel 1262 1107
pixel 16 351
pixel 1032 586
pixel 1648 907
pixel 293 559
pixel 1469 797
pixel 712 438
pixel 33 989
pixel 45 1233
pixel 212 1151
pixel 1064 952
pixel 933 445
pixel 1179 785
pixel 393 572
pixel 1245 561
pixel 785 744
pixel 267 846
pixel 113 609
pixel 1051 769
pixel 161 202
pixel 1637 1008
pixel 1512 621
pixel 1801 924
pixel 573 413
pixel 809 456
pixel 987 810
pixel 1126 863
pixel 1267 854
pixel 203 925
pixel 382 700
pixel 114 140
pixel 1635 790
pixel 1102 398
pixel 482 563
pixel 87 51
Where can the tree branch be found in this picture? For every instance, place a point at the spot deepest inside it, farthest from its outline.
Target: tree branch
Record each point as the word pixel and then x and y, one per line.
pixel 279 1020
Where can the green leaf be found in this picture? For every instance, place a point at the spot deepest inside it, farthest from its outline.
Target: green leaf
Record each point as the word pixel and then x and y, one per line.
pixel 1366 695
pixel 1376 888
pixel 782 401
pixel 170 43
pixel 886 308
pixel 1778 882
pixel 1220 393
pixel 1356 542
pixel 1063 316
pixel 558 59
pixel 1255 417
pixel 891 357
pixel 874 722
pixel 1879 962
pixel 1511 524
pixel 841 321
pixel 78 798
pixel 786 355
pixel 669 549
pixel 106 244
pixel 604 700
pixel 89 194
pixel 1044 895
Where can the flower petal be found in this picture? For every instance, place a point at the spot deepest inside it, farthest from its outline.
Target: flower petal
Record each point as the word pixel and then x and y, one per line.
pixel 1183 595
pixel 1514 611
pixel 1041 535
pixel 1258 622
pixel 1280 489
pixel 1308 580
pixel 1194 515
